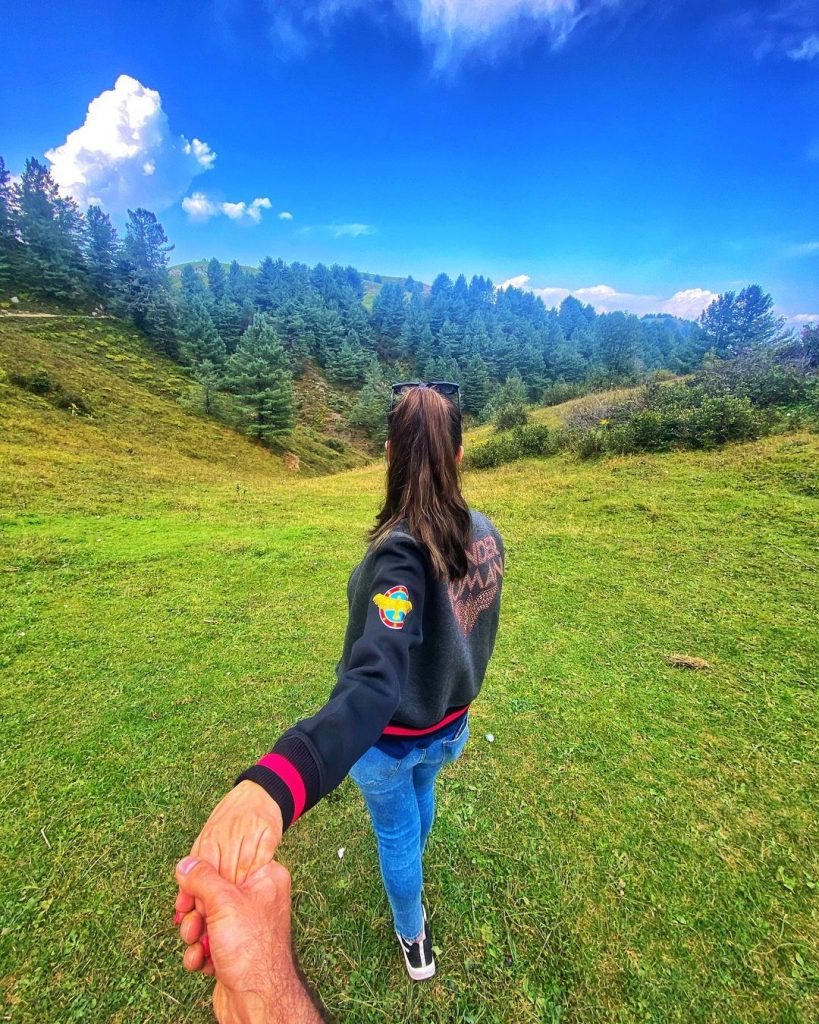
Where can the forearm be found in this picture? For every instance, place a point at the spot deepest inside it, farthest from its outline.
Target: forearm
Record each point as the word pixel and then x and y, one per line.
pixel 288 999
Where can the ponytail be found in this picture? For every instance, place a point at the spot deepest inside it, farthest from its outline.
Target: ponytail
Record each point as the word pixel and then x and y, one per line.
pixel 424 481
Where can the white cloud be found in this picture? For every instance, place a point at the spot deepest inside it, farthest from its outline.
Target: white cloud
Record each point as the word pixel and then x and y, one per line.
pixel 350 230
pixel 804 318
pixel 251 211
pixel 201 151
pixel 775 28
pixel 200 208
pixel 449 28
pixel 125 154
pixel 802 249
pixel 687 303
pixel 285 215
pixel 515 282
pixel 806 50
pixel 454 27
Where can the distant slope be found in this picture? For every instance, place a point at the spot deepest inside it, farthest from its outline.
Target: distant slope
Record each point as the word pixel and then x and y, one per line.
pixel 142 419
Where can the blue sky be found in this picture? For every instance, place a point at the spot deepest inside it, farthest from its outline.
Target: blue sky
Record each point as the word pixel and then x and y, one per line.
pixel 643 155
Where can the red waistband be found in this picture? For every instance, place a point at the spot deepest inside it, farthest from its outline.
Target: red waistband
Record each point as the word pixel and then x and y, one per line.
pixel 399 730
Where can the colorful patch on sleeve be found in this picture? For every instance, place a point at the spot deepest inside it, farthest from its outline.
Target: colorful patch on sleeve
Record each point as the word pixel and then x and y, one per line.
pixel 393 606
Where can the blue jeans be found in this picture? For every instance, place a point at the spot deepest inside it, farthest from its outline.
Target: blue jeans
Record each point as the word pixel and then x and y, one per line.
pixel 400 796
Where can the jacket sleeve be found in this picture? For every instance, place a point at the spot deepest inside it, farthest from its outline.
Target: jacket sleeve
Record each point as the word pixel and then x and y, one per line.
pixel 315 755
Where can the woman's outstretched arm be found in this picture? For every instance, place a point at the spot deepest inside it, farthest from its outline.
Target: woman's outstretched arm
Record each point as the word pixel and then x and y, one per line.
pixel 315 755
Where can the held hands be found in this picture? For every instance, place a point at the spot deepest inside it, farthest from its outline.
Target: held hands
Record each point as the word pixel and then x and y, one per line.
pixel 247 944
pixel 242 834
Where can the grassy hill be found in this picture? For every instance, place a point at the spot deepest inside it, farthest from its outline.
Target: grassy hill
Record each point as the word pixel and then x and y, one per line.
pixel 138 414
pixel 639 843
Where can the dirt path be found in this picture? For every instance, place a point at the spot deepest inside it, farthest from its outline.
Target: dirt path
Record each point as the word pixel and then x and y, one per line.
pixel 57 316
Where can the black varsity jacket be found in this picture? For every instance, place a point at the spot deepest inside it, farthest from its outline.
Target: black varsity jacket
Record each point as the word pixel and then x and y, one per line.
pixel 415 655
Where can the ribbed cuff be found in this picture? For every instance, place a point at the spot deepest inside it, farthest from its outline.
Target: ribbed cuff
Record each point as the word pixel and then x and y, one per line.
pixel 289 775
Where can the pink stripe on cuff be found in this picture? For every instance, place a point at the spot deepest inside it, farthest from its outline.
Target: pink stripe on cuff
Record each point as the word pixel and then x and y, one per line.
pixel 289 775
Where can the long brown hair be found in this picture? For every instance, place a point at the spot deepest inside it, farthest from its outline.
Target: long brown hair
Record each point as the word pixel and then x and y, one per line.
pixel 424 481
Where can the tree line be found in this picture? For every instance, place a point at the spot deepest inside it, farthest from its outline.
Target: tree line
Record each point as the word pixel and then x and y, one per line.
pixel 252 332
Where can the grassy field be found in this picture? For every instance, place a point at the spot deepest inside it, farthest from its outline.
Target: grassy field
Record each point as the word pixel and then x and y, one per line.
pixel 640 843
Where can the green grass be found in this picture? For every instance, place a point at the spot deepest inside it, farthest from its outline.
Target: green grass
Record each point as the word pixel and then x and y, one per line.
pixel 147 417
pixel 638 844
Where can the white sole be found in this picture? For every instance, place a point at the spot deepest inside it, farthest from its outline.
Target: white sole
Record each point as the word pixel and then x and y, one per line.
pixel 420 973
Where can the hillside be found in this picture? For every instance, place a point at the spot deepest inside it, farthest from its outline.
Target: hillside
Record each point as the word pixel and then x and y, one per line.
pixel 131 415
pixel 636 839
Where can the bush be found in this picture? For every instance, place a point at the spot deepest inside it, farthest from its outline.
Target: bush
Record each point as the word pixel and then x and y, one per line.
pixel 520 443
pixel 336 444
pixel 73 403
pixel 494 452
pixel 561 391
pixel 38 382
pixel 720 420
pixel 586 444
pixel 508 416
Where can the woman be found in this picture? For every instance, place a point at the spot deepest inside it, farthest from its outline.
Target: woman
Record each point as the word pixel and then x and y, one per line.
pixel 423 613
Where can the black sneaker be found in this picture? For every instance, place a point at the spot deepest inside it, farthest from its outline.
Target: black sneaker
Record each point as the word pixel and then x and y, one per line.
pixel 420 962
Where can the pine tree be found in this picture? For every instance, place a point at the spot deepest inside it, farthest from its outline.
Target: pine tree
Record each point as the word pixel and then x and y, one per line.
pixel 574 316
pixel 347 365
pixel 424 352
pixel 236 287
pixel 216 280
pixel 193 287
pixel 258 374
pixel 201 339
pixel 389 311
pixel 10 254
pixel 230 321
pixel 205 350
pixel 211 377
pixel 146 285
pixel 474 385
pixel 101 251
pixel 50 229
pixel 291 328
pixel 370 411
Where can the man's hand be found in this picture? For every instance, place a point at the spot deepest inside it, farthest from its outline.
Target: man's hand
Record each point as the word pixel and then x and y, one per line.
pixel 242 834
pixel 247 942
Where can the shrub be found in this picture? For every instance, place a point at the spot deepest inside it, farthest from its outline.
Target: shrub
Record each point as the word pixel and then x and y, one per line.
pixel 561 391
pixel 586 444
pixel 73 403
pixel 38 382
pixel 336 444
pixel 520 443
pixel 508 416
pixel 721 419
pixel 494 452
pixel 532 440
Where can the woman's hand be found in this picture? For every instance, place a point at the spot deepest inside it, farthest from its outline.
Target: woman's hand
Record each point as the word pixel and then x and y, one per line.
pixel 242 834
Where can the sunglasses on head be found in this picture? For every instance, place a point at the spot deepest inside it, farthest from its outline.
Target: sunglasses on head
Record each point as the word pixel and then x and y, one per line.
pixel 443 387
